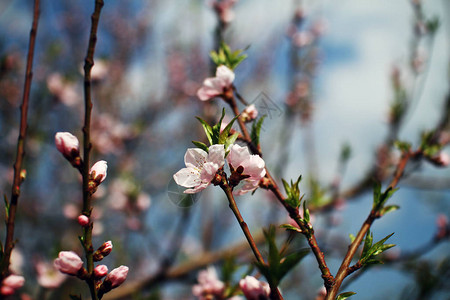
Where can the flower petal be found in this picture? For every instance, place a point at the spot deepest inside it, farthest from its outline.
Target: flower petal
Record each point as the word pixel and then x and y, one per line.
pixel 187 177
pixel 217 154
pixel 237 155
pixel 195 158
pixel 225 74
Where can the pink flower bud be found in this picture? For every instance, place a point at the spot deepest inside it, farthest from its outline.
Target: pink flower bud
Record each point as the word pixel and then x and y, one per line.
pixel 103 251
pixel 98 171
pixel 10 284
pixel 117 276
pixel 250 113
pixel 100 271
pixel 444 159
pixel 67 144
pixel 253 289
pixel 83 220
pixel 68 262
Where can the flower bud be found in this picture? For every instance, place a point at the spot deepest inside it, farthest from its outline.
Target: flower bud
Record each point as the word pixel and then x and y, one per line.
pixel 10 284
pixel 68 262
pixel 254 289
pixel 100 271
pixel 103 251
pixel 98 171
pixel 117 276
pixel 83 220
pixel 67 144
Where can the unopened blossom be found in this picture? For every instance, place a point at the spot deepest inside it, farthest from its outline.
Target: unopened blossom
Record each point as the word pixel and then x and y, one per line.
pixel 208 285
pixel 215 86
pixel 67 144
pixel 100 271
pixel 443 159
pixel 83 220
pixel 250 113
pixel 98 171
pixel 104 250
pixel 10 284
pixel 68 262
pixel 252 167
pixel 254 289
pixel 224 10
pixel 200 168
pixel 117 276
pixel 48 276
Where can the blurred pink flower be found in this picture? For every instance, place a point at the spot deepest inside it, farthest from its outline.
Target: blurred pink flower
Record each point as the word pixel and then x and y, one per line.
pixel 250 113
pixel 67 144
pixel 208 285
pixel 254 289
pixel 68 262
pixel 98 171
pixel 200 168
pixel 223 9
pixel 117 276
pixel 215 86
pixel 48 276
pixel 253 166
pixel 10 284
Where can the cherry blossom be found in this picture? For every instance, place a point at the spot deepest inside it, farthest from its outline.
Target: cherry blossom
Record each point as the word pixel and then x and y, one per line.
pixel 215 86
pixel 254 289
pixel 200 168
pixel 10 284
pixel 117 276
pixel 253 167
pixel 208 285
pixel 250 113
pixel 67 144
pixel 98 171
pixel 68 262
pixel 48 276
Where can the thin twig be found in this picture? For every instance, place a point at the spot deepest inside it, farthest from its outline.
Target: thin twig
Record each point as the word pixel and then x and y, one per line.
pixel 20 153
pixel 87 195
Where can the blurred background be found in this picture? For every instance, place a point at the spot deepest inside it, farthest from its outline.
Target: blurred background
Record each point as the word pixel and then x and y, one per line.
pixel 338 81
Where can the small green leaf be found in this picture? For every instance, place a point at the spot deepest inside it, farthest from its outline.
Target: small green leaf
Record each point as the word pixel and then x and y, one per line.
pixel 305 212
pixel 402 146
pixel 290 227
pixel 200 145
pixel 376 193
pixel 208 130
pixel 231 139
pixel 367 244
pixel 345 295
pixel 290 261
pixel 388 209
pixel 256 130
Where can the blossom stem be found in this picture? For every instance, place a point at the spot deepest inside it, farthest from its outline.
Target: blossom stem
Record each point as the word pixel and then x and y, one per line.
pixel 20 152
pixel 293 213
pixel 344 269
pixel 87 195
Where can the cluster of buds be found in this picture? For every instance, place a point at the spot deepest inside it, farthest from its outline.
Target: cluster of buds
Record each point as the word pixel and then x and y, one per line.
pixel 68 145
pixel 68 262
pixel 10 284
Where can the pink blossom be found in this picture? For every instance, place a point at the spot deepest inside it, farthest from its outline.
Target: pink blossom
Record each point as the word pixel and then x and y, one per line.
pixel 117 276
pixel 444 159
pixel 250 113
pixel 47 276
pixel 223 10
pixel 208 284
pixel 253 166
pixel 253 289
pixel 104 250
pixel 83 220
pixel 100 271
pixel 68 262
pixel 98 171
pixel 11 283
pixel 67 144
pixel 215 86
pixel 200 168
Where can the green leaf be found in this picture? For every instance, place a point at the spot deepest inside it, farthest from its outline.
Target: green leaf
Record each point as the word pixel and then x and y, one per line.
pixel 5 198
pixel 305 212
pixel 230 141
pixel 290 227
pixel 345 295
pixel 224 135
pixel 290 261
pixel 256 130
pixel 293 198
pixel 402 146
pixel 370 251
pixel 201 145
pixel 274 255
pixel 433 25
pixel 376 193
pixel 367 244
pixel 388 209
pixel 352 237
pixel 208 130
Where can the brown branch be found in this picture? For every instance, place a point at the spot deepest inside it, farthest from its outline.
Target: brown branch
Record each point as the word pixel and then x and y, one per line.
pixel 293 212
pixel 20 153
pixel 344 269
pixel 87 194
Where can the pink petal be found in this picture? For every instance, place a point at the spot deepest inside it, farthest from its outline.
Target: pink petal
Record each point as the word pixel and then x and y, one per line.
pixel 225 74
pixel 195 157
pixel 187 177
